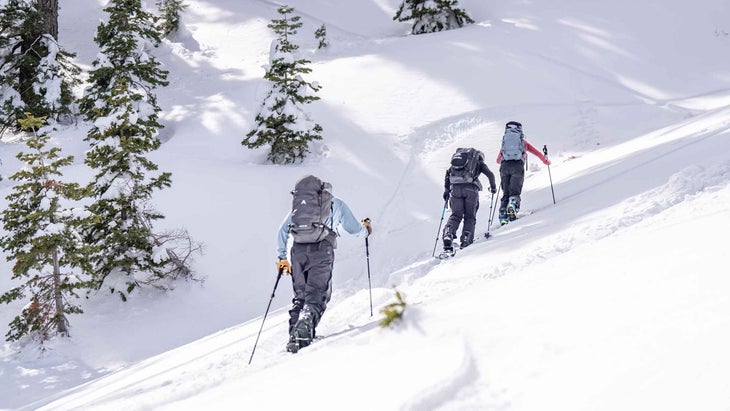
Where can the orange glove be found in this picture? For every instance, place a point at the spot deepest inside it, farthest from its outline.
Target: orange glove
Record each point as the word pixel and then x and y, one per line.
pixel 367 225
pixel 284 266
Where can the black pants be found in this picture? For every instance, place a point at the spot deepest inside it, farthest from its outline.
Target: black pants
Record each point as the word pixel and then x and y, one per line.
pixel 512 174
pixel 464 204
pixel 311 279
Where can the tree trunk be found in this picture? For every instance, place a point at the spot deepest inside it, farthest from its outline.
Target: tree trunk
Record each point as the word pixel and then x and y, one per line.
pixel 62 323
pixel 49 9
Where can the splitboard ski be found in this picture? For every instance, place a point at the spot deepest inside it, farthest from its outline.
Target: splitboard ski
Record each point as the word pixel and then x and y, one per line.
pixel 445 254
pixel 520 214
pixel 294 346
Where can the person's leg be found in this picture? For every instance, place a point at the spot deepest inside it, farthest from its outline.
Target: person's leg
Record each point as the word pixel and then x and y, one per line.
pixel 317 291
pixel 504 176
pixel 517 178
pixel 457 214
pixel 471 205
pixel 299 282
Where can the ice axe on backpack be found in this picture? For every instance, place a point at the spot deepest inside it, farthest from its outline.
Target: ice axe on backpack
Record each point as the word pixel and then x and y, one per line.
pixel 545 151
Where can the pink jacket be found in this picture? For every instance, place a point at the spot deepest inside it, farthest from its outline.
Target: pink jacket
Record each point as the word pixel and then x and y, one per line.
pixel 532 150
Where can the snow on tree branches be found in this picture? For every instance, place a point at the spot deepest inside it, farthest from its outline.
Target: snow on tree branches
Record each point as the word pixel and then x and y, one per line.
pixel 170 18
pixel 124 110
pixel 430 16
pixel 36 75
pixel 282 124
pixel 51 258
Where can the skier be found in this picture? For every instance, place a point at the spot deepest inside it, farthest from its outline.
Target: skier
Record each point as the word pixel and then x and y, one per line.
pixel 461 189
pixel 511 159
pixel 315 216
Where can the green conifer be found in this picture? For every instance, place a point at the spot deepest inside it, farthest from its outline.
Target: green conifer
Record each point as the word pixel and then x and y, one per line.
pixel 124 110
pixel 170 15
pixel 281 122
pixel 393 312
pixel 51 259
pixel 430 16
pixel 321 35
pixel 36 74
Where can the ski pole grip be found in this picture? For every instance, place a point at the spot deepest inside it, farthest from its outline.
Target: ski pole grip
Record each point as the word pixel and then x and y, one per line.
pixel 544 150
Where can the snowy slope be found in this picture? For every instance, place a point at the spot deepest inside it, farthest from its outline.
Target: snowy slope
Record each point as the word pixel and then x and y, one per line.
pixel 614 298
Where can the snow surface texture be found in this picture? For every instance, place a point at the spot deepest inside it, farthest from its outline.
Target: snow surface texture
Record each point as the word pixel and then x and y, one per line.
pixel 613 298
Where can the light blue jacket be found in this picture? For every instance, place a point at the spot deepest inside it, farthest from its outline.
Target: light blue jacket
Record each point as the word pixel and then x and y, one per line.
pixel 340 216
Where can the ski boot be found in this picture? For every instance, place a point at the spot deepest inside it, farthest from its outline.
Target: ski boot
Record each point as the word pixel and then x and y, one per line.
pixel 448 250
pixel 503 217
pixel 512 211
pixel 302 335
pixel 465 240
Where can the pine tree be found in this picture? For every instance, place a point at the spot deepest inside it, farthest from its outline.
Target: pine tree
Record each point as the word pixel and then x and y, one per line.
pixel 321 35
pixel 44 241
pixel 430 16
pixel 393 312
pixel 170 15
pixel 281 123
pixel 124 110
pixel 36 75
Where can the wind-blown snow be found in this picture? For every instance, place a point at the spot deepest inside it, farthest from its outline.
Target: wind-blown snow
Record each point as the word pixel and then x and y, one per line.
pixel 615 297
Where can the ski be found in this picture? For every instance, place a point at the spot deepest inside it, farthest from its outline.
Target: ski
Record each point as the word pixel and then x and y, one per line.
pixel 445 254
pixel 517 216
pixel 294 346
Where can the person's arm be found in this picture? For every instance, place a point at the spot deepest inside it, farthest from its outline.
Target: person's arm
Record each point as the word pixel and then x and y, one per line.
pixel 342 216
pixel 499 157
pixel 536 152
pixel 487 172
pixel 447 185
pixel 284 236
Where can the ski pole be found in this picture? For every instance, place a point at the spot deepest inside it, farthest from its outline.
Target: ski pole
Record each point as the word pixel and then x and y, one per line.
pixel 491 219
pixel 367 256
pixel 433 253
pixel 491 215
pixel 545 151
pixel 278 277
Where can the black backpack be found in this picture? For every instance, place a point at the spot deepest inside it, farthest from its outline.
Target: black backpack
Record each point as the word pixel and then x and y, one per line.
pixel 311 207
pixel 465 166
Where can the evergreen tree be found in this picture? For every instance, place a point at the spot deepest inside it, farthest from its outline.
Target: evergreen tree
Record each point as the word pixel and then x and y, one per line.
pixel 281 123
pixel 36 75
pixel 44 241
pixel 170 19
pixel 430 16
pixel 321 35
pixel 393 312
pixel 124 110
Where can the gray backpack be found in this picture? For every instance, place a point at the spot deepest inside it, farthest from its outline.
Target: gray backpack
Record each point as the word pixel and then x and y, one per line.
pixel 513 144
pixel 311 207
pixel 465 166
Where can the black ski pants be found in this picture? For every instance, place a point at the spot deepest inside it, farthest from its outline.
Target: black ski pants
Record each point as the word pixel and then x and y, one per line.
pixel 512 175
pixel 464 204
pixel 311 279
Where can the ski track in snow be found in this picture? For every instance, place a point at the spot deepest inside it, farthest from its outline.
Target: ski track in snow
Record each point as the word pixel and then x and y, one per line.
pixel 680 187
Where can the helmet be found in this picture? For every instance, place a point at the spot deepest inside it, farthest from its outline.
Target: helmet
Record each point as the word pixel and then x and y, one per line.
pixel 513 124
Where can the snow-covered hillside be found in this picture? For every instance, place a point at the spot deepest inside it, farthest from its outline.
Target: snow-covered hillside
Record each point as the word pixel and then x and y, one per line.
pixel 613 298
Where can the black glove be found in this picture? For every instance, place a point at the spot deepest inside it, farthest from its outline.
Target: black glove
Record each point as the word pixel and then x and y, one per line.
pixel 492 190
pixel 446 196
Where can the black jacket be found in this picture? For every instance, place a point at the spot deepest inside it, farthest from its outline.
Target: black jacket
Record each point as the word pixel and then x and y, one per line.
pixel 483 169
